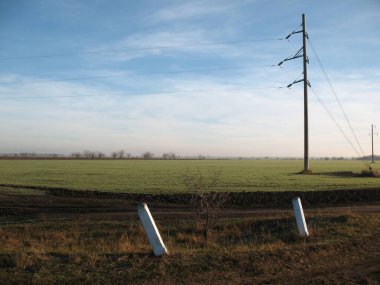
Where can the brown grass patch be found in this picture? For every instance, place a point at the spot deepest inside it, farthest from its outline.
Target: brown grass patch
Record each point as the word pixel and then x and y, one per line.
pixel 242 250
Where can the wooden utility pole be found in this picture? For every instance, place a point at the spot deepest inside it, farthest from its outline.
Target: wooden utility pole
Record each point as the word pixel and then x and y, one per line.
pixel 373 155
pixel 306 168
pixel 303 49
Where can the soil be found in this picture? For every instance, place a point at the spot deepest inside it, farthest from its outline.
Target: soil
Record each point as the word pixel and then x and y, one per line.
pixel 68 204
pixel 240 199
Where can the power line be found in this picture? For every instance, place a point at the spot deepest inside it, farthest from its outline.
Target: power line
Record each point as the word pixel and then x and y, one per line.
pixel 141 74
pixel 336 97
pixel 141 49
pixel 335 121
pixel 140 93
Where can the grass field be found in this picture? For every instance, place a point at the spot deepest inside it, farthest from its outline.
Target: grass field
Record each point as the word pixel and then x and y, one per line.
pixel 160 176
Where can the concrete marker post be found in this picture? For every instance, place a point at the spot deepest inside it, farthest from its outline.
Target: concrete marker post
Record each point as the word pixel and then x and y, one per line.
pixel 151 230
pixel 300 217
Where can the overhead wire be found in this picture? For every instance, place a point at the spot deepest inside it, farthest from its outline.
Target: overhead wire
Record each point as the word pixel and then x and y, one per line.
pixel 140 49
pixel 320 101
pixel 336 97
pixel 140 93
pixel 140 74
pixel 334 120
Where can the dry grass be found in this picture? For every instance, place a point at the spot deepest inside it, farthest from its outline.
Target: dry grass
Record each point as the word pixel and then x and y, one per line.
pixel 244 250
pixel 370 173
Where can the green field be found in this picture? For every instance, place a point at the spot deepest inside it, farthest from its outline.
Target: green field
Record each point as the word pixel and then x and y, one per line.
pixel 160 176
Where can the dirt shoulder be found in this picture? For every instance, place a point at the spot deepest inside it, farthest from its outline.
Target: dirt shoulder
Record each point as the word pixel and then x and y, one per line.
pixel 58 239
pixel 16 205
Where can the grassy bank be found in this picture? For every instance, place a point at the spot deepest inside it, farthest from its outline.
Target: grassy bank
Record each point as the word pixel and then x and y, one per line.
pixel 343 248
pixel 158 176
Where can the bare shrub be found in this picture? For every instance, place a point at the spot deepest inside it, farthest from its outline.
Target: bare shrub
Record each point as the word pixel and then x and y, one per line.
pixel 207 196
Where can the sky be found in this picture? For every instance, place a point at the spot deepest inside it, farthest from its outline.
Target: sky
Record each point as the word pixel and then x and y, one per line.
pixel 189 77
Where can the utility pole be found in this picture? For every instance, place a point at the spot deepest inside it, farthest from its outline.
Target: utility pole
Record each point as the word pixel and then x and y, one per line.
pixel 373 155
pixel 305 104
pixel 303 50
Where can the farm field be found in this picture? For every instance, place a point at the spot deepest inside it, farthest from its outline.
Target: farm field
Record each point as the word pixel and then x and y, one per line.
pixel 166 176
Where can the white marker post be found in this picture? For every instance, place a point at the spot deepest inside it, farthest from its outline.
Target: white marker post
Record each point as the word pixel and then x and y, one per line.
pixel 151 230
pixel 300 217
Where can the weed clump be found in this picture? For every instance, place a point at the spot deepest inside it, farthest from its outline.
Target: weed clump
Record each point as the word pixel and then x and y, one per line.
pixel 370 172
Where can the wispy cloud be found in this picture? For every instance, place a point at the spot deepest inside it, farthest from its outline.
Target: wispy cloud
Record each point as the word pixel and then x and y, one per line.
pixel 195 9
pixel 192 43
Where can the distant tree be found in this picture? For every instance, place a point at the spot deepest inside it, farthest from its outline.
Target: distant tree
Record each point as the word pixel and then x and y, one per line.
pixel 89 154
pixel 86 154
pixel 148 155
pixel 27 154
pixel 114 154
pixel 76 155
pixel 128 155
pixel 121 153
pixel 170 155
pixel 53 155
pixel 100 155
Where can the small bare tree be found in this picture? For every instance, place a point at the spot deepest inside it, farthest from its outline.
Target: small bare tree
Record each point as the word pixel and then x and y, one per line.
pixel 206 199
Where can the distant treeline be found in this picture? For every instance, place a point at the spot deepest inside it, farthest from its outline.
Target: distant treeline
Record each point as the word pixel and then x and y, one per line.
pixel 369 157
pixel 121 154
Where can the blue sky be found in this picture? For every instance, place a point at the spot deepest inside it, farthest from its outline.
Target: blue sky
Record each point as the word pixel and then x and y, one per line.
pixel 144 76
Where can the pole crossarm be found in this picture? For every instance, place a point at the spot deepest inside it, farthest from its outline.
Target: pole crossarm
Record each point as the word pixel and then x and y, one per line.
pixel 297 55
pixel 297 81
pixel 292 33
